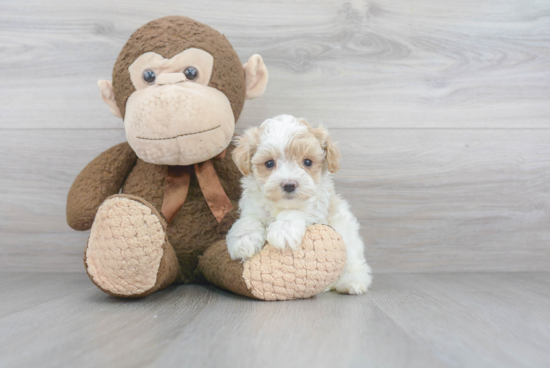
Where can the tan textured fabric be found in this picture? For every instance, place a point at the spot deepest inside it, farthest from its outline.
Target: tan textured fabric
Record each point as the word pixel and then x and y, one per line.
pixel 126 246
pixel 273 274
pixel 178 124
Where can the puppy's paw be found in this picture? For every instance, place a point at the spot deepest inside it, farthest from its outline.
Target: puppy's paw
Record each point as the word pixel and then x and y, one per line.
pixel 354 280
pixel 282 234
pixel 245 245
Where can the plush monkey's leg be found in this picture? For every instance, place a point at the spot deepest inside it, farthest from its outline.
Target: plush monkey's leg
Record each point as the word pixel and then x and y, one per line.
pixel 128 254
pixel 275 274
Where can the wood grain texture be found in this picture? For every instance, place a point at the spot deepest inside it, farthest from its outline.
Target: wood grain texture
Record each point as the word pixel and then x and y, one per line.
pixel 355 63
pixel 405 320
pixel 20 291
pixel 441 109
pixel 428 200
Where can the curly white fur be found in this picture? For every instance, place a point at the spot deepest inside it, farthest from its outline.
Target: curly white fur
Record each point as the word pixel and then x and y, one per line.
pixel 270 213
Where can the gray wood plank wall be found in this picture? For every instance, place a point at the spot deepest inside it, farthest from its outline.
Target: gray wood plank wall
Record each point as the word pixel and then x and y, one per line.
pixel 441 109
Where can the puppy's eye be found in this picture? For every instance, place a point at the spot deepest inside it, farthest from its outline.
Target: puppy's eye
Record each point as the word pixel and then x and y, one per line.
pixel 149 76
pixel 308 162
pixel 270 164
pixel 191 73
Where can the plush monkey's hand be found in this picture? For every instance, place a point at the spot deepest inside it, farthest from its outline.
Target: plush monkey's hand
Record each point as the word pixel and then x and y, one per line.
pixel 100 179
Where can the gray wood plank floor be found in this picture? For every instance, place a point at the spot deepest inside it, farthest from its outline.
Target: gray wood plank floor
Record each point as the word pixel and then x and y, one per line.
pixel 405 320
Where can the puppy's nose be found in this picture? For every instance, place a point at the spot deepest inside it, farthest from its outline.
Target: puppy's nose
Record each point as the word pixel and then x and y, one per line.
pixel 289 186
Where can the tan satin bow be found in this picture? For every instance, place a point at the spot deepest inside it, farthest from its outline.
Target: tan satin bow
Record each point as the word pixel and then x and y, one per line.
pixel 176 187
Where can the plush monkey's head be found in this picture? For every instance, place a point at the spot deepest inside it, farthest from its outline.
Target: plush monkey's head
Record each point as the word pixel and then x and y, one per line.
pixel 180 87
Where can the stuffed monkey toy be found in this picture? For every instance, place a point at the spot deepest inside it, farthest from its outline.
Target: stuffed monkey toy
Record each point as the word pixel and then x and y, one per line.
pixel 159 206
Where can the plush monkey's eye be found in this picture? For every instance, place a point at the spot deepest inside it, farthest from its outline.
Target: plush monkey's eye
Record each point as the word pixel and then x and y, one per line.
pixel 308 162
pixel 270 164
pixel 191 73
pixel 149 76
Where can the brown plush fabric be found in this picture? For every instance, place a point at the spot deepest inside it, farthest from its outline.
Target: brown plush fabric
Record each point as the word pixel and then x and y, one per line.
pixel 218 268
pixel 169 268
pixel 275 274
pixel 98 180
pixel 168 37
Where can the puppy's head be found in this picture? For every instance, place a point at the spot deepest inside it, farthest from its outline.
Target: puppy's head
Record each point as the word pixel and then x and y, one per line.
pixel 287 157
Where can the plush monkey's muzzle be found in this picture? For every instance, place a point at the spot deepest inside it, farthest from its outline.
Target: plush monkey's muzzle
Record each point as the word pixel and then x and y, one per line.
pixel 178 122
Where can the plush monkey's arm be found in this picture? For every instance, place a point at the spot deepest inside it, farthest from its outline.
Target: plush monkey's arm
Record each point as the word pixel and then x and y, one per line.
pixel 101 178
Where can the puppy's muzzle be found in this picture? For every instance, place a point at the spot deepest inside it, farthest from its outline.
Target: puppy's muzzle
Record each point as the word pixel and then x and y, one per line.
pixel 289 186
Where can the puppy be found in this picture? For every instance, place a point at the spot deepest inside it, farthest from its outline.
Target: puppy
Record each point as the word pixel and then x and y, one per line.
pixel 287 186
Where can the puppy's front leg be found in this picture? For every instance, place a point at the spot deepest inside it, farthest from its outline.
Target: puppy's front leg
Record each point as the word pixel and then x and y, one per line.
pixel 245 238
pixel 288 230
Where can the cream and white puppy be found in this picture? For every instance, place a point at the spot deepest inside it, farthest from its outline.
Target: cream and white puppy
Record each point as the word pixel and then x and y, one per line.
pixel 287 186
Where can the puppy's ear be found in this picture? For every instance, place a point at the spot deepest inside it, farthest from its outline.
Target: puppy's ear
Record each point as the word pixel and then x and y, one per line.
pixel 303 121
pixel 245 147
pixel 331 150
pixel 333 156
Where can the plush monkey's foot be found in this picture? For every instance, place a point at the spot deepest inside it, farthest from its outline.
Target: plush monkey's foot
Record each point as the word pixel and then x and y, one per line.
pixel 128 254
pixel 275 274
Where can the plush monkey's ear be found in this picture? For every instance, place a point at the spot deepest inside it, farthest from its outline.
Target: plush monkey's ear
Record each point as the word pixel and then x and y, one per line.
pixel 108 96
pixel 331 150
pixel 256 76
pixel 246 144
